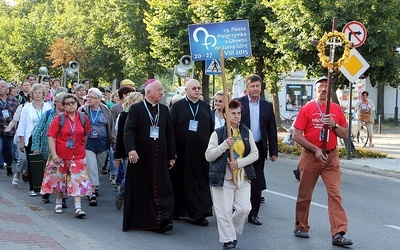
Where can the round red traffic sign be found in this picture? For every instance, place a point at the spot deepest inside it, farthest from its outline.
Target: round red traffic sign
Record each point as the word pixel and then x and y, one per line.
pixel 355 32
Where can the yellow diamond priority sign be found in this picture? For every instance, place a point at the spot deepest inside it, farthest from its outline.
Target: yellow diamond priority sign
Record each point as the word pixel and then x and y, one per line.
pixel 355 67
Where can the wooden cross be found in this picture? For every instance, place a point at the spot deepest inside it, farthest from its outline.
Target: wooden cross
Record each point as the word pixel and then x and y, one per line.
pixel 333 44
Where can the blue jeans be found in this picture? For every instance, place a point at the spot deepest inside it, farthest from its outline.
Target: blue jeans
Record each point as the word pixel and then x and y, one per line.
pixel 6 150
pixel 121 189
pixel 113 169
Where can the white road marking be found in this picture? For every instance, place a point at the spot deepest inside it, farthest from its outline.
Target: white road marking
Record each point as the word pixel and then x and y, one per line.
pixel 295 198
pixel 393 226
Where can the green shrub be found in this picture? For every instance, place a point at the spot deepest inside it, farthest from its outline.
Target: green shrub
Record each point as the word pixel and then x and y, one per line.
pixel 361 152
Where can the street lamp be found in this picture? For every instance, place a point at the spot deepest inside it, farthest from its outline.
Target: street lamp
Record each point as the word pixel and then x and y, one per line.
pixel 396 108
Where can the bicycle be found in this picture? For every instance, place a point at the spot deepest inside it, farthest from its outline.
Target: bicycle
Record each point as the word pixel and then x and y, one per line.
pixel 359 133
pixel 290 119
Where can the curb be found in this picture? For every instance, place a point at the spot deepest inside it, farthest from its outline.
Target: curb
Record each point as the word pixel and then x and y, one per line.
pixel 354 167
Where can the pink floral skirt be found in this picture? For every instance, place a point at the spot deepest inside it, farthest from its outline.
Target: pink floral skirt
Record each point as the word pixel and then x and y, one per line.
pixel 70 176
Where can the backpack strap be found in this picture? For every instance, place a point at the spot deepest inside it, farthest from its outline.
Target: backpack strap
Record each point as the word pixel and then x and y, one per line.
pixel 81 117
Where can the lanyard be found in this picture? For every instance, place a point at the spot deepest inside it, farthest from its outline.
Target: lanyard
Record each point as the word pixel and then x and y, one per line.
pixel 191 109
pixel 93 121
pixel 221 121
pixel 3 103
pixel 72 127
pixel 41 110
pixel 319 108
pixel 154 121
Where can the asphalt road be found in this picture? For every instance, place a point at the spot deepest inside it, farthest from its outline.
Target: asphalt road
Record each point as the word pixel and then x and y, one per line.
pixel 372 204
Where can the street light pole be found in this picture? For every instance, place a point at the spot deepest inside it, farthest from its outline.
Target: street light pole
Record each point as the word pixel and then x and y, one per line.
pixel 396 109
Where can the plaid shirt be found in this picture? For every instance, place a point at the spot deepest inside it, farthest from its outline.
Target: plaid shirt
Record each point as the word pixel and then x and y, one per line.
pixel 11 105
pixel 40 139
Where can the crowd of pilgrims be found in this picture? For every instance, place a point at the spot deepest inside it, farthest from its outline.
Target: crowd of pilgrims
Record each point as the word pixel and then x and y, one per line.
pixel 173 158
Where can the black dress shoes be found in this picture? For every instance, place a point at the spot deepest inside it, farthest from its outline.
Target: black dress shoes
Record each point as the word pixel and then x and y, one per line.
pixel 254 220
pixel 201 222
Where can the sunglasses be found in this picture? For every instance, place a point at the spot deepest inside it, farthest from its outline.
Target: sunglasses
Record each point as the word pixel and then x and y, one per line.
pixel 69 103
pixel 196 88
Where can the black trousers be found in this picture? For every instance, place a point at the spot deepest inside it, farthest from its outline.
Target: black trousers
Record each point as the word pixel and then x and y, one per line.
pixel 28 165
pixel 258 184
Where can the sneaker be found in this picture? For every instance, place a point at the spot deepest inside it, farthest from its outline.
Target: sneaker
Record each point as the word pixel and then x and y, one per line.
pixel 340 240
pixel 229 245
pixel 9 171
pixel 92 201
pixel 32 193
pixel 118 202
pixel 371 145
pixel 301 234
pixel 79 213
pixel 46 198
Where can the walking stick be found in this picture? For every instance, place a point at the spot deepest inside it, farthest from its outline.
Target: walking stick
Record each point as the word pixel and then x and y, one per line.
pixel 226 104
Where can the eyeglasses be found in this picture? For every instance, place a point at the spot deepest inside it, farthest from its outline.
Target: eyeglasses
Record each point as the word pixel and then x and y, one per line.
pixel 194 88
pixel 69 103
pixel 92 97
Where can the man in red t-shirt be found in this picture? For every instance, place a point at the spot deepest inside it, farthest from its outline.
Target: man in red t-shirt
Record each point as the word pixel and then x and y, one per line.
pixel 309 133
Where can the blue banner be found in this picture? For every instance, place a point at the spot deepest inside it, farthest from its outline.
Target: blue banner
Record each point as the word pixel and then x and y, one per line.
pixel 232 37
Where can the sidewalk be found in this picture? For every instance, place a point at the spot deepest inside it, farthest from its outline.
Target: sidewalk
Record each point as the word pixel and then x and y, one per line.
pixel 21 228
pixel 387 142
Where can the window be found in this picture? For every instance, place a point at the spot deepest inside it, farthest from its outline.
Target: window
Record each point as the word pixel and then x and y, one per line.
pixel 297 95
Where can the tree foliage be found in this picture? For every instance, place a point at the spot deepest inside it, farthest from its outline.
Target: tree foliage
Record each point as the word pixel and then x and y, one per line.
pixel 136 39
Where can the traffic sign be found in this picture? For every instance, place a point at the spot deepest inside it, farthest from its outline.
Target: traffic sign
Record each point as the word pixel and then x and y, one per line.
pixel 355 67
pixel 213 67
pixel 355 32
pixel 232 37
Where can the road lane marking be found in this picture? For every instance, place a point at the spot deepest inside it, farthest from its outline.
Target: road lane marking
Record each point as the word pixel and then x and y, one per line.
pixel 393 226
pixel 295 198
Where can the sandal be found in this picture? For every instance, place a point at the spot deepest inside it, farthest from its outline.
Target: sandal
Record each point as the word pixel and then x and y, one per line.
pixel 15 181
pixel 58 209
pixel 79 213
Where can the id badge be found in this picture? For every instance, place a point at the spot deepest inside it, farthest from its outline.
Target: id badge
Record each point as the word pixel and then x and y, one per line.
pixel 154 131
pixel 321 135
pixel 5 113
pixel 70 143
pixel 93 134
pixel 193 125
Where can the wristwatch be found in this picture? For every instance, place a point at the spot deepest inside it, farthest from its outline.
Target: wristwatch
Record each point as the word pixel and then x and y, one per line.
pixel 335 126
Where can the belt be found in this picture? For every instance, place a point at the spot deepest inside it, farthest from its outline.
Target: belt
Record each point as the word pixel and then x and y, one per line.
pixel 327 151
pixel 330 151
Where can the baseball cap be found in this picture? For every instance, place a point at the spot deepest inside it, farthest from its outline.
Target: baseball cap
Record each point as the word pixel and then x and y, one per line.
pixel 321 79
pixel 127 82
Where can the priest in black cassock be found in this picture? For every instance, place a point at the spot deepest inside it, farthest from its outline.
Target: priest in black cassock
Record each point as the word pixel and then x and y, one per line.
pixel 149 141
pixel 192 123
